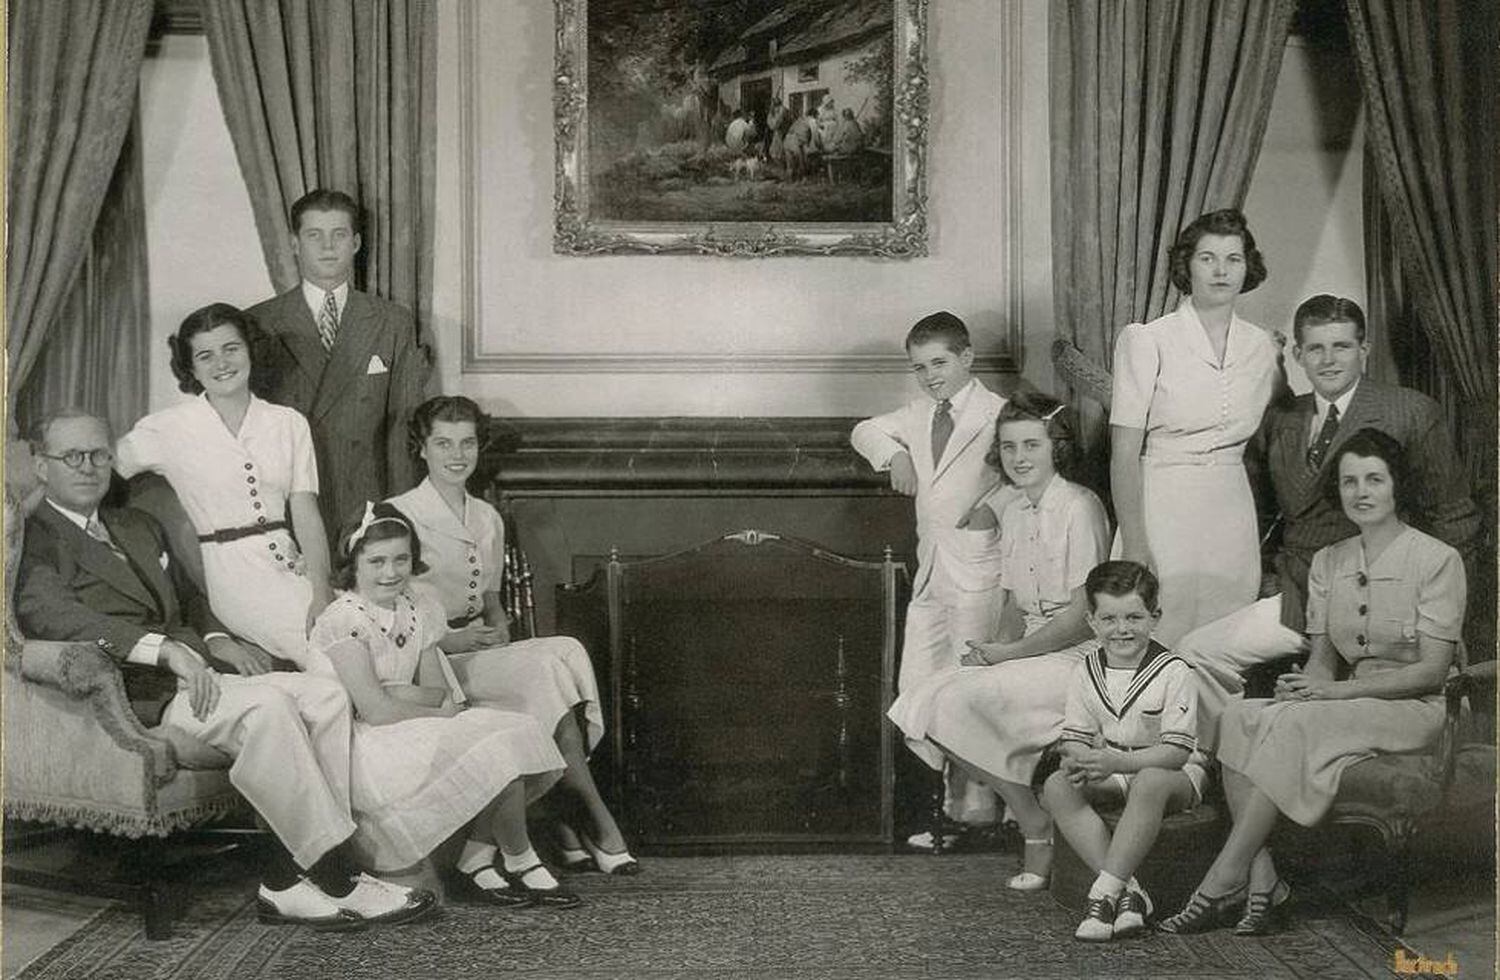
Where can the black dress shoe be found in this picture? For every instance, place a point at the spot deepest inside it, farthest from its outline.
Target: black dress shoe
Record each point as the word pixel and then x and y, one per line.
pixel 1205 912
pixel 1263 911
pixel 506 897
pixel 552 898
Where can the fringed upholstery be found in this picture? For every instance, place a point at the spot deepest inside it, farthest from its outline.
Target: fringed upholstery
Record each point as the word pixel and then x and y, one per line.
pixel 77 755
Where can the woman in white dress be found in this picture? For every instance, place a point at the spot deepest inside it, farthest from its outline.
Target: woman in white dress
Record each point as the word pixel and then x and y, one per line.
pixel 245 474
pixel 1189 392
pixel 993 716
pixel 549 678
pixel 422 765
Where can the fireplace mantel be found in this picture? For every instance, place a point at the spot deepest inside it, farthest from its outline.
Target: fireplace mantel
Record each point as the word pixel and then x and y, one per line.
pixel 678 456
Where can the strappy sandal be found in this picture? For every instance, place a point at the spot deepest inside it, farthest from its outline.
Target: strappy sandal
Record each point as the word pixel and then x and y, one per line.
pixel 1205 912
pixel 552 898
pixel 1263 911
pixel 1030 881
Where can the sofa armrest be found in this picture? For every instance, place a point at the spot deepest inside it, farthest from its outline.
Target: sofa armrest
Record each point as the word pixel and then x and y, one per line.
pixel 86 673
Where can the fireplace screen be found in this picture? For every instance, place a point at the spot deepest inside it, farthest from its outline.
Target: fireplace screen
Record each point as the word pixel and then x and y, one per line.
pixel 748 680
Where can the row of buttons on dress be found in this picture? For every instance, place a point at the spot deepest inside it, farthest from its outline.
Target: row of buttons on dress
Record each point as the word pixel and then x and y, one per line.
pixel 261 518
pixel 473 580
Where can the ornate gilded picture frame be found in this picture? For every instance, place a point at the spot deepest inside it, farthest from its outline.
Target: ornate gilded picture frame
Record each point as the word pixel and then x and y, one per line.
pixel 741 128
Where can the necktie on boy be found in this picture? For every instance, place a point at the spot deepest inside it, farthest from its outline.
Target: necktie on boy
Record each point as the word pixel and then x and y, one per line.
pixel 328 320
pixel 1319 448
pixel 942 428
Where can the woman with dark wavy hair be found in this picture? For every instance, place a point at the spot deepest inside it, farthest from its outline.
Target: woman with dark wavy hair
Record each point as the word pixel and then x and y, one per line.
pixel 1386 607
pixel 1189 391
pixel 245 473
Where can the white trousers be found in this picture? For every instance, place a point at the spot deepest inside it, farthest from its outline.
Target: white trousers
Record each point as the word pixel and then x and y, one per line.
pixel 939 621
pixel 1224 649
pixel 289 735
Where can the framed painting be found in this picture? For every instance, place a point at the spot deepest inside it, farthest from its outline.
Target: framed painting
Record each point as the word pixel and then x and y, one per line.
pixel 741 127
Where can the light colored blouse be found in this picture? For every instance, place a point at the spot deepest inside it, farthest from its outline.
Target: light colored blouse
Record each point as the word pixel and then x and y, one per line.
pixel 1193 409
pixel 1049 548
pixel 224 480
pixel 464 558
pixel 1373 612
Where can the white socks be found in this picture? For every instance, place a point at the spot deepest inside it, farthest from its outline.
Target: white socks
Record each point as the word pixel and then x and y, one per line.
pixel 538 877
pixel 475 856
pixel 1106 886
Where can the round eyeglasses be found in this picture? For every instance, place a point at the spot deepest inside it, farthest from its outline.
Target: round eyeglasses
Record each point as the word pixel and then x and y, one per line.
pixel 73 458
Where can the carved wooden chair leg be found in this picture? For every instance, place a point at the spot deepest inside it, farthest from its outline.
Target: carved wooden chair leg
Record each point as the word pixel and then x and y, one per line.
pixel 938 818
pixel 1399 894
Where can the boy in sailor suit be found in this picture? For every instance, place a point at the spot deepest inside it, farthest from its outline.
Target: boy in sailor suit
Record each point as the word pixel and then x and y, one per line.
pixel 1129 731
pixel 934 449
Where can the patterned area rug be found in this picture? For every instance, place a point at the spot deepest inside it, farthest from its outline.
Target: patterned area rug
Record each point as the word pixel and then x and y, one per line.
pixel 749 918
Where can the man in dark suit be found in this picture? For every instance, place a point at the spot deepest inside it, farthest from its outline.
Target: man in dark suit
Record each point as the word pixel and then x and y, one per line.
pixel 351 362
pixel 1301 444
pixel 107 577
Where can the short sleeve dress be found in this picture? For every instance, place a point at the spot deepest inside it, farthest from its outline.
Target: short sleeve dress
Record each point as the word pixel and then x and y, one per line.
pixel 1001 717
pixel 545 677
pixel 1198 414
pixel 227 481
pixel 1373 614
pixel 414 782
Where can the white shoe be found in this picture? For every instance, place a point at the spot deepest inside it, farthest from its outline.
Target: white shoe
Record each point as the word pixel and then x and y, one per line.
pixel 303 904
pixel 1028 881
pixel 374 900
pixel 924 841
pixel 1098 925
pixel 1135 907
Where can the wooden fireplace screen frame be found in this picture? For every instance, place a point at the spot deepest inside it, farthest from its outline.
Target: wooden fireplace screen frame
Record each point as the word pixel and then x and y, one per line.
pixel 622 696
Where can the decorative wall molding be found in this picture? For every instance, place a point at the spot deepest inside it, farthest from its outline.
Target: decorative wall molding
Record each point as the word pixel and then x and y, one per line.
pixel 477 360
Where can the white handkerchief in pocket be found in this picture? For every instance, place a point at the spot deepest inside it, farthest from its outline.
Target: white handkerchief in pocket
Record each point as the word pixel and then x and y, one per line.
pixel 376 366
pixel 163 561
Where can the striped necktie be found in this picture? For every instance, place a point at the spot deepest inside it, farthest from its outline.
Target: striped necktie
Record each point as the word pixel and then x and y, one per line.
pixel 99 533
pixel 328 320
pixel 1319 448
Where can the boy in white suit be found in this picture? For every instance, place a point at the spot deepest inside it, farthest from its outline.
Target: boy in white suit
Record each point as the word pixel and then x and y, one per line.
pixel 934 448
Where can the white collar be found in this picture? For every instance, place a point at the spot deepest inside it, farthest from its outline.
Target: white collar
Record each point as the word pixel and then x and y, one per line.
pixel 314 294
pixel 1342 402
pixel 81 521
pixel 960 398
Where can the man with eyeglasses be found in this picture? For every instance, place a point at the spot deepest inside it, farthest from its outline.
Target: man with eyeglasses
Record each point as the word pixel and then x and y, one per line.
pixel 107 577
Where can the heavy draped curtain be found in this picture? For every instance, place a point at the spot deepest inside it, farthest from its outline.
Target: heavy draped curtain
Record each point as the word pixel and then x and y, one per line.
pixel 97 355
pixel 70 96
pixel 1158 112
pixel 338 94
pixel 1427 71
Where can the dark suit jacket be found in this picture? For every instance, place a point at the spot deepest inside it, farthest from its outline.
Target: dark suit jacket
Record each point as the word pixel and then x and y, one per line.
pixel 71 587
pixel 1311 522
pixel 358 419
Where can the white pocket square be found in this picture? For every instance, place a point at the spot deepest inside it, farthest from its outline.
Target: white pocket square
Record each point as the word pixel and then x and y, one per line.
pixel 376 366
pixel 163 561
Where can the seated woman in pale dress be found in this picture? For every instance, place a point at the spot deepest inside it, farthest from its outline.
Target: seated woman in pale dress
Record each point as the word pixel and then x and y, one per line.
pixel 423 764
pixel 1387 608
pixel 549 678
pixel 245 473
pixel 993 717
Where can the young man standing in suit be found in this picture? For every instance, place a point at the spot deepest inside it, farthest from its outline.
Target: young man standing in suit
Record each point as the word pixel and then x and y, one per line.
pixel 934 449
pixel 1301 441
pixel 351 362
pixel 107 577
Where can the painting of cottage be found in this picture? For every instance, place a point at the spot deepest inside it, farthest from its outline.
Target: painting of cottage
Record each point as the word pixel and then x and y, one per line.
pixel 740 110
